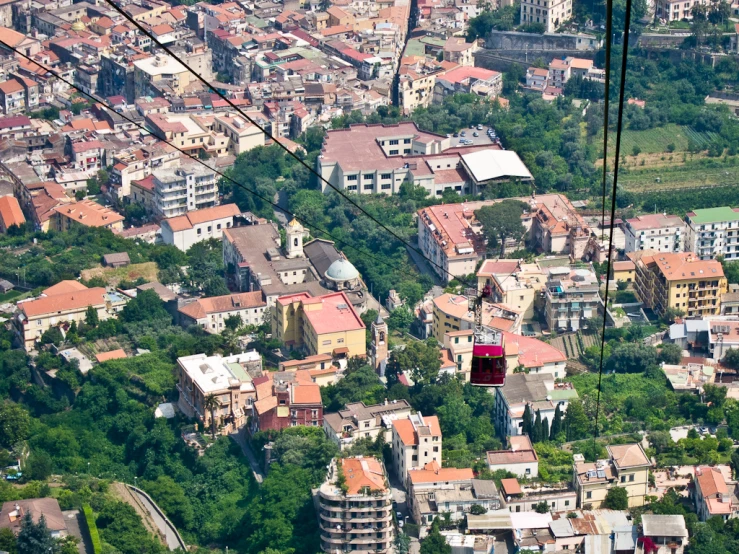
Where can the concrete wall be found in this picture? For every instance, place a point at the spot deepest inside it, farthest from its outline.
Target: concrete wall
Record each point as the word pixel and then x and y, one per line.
pixel 512 40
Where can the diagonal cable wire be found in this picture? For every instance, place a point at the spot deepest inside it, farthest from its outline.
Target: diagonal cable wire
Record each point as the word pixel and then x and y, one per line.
pixel 609 34
pixel 201 162
pixel 619 128
pixel 169 51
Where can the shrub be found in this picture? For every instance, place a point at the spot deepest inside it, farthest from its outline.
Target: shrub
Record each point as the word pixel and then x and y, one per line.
pixel 92 528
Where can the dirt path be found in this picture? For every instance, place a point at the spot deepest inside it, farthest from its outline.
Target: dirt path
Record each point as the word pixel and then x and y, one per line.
pixel 125 495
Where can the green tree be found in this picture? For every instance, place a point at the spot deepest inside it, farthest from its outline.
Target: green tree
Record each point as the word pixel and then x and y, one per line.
pixel 631 358
pixel 542 507
pixel 147 306
pixel 536 429
pixel 402 543
pixel 617 498
pixel 714 395
pixel 420 359
pixel 91 317
pixel 211 404
pixel 435 543
pixel 15 424
pixel 544 431
pixel 731 358
pixel 577 425
pixel 39 466
pixel 8 541
pixel 52 336
pixel 477 510
pixel 35 538
pixel 233 322
pixel 502 221
pixel 556 424
pixel 528 421
pixel 670 354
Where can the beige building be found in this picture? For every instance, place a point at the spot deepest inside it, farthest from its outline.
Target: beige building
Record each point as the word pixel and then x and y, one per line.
pixel 355 508
pixel 225 378
pixel 550 13
pixel 513 283
pixel 627 467
pixel 151 73
pixel 457 50
pixel 416 442
pixel 212 313
pixel 209 223
pixel 242 135
pixel 713 496
pixel 459 344
pixel 86 213
pixel 359 421
pixel 660 232
pixel 572 297
pixel 325 324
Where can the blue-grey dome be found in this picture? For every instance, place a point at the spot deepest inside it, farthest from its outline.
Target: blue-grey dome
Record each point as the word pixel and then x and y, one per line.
pixel 342 270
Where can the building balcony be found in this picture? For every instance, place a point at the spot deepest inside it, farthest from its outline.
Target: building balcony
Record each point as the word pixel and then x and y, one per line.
pixel 340 538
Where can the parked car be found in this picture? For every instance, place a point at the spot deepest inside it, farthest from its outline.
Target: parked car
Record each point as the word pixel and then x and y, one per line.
pixel 479 127
pixel 475 134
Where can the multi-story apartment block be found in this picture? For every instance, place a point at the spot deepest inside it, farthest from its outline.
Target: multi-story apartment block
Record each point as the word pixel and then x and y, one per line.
pixel 538 391
pixel 454 498
pixel 713 496
pixel 157 74
pixel 525 498
pixel 713 232
pixel 286 399
pixel 242 134
pixel 662 535
pixel 416 442
pixel 62 303
pixel 627 467
pixel 562 70
pixel 550 13
pixel 660 232
pixel 227 379
pixel 680 281
pixel 457 50
pixel 359 421
pixel 185 230
pixel 355 508
pixel 572 296
pixel 179 190
pixel 325 324
pixel 513 283
pixel 459 345
pixel 211 313
pixel 676 10
pixel 137 163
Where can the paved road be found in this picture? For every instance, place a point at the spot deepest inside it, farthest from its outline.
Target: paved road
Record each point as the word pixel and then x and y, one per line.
pixel 72 519
pixel 240 439
pixel 171 538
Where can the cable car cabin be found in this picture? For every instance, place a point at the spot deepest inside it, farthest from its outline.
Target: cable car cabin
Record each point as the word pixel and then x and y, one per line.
pixel 488 359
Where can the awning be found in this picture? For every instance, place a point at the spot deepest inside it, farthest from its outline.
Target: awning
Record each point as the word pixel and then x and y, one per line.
pixel 341 350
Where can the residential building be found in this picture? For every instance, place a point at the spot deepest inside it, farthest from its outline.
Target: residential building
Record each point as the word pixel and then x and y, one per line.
pixel 242 134
pixel 359 421
pixel 713 496
pixel 459 345
pixel 323 369
pixel 572 297
pixel 520 458
pixel 538 391
pixel 551 14
pixel 676 10
pixel 209 223
pixel 659 232
pixel 326 324
pixel 157 74
pixel 211 313
pixel 624 271
pixel 468 80
pixel 87 213
pixel 355 508
pixel 10 213
pixel 730 302
pixel 713 232
pixel 679 281
pixel 455 499
pixel 513 283
pixel 179 190
pixel 63 303
pixel 459 51
pixel 691 376
pixel 18 94
pixel 286 399
pixel 416 442
pixel 526 498
pixel 534 356
pixel 627 467
pixel 537 78
pixel 452 238
pixel 13 512
pixel 452 313
pixel 662 535
pixel 226 378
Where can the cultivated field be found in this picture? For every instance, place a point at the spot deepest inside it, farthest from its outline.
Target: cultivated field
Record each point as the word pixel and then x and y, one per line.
pixel 653 141
pixel 113 275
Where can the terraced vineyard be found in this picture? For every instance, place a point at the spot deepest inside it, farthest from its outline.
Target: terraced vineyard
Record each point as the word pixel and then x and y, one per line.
pixel 653 141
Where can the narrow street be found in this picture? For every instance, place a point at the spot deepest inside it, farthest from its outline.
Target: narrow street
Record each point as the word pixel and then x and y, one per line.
pixel 240 439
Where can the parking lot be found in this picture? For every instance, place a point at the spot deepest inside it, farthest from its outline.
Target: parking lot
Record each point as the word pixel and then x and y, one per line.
pixel 482 139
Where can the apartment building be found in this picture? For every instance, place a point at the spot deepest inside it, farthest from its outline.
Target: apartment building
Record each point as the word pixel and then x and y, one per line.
pixel 459 51
pixel 550 13
pixel 226 378
pixel 562 70
pixel 459 346
pixel 680 281
pixel 416 442
pixel 627 467
pixel 455 499
pixel 676 10
pixel 86 213
pixel 63 303
pixel 713 496
pixel 10 213
pixel 326 324
pixel 286 399
pixel 572 297
pixel 179 190
pixel 18 94
pixel 662 535
pixel 211 313
pixel 520 458
pixel 713 232
pixel 659 232
pixel 513 283
pixel 525 498
pixel 538 391
pixel 468 80
pixel 243 135
pixel 359 421
pixel 185 230
pixel 355 508
pixel 154 75
pixel 137 164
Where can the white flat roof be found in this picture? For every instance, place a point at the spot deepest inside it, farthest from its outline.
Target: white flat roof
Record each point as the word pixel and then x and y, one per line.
pixel 484 165
pixel 212 373
pixel 159 65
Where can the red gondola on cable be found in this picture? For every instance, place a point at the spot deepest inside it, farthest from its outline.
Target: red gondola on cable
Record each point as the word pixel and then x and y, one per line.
pixel 488 351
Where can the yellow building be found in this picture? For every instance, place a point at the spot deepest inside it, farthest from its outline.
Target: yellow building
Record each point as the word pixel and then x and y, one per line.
pixel 624 271
pixel 451 313
pixel 86 213
pixel 513 283
pixel 627 467
pixel 459 344
pixel 325 324
pixel 680 281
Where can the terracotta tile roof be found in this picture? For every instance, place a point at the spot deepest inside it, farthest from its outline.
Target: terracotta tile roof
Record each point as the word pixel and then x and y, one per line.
pixel 510 486
pixel 439 475
pixel 711 482
pixel 492 267
pixel 64 302
pixel 407 433
pixel 228 303
pixel 10 211
pixel 64 287
pixel 627 455
pixel 626 265
pixel 11 37
pixel 533 352
pixel 11 86
pixel 14 121
pixel 49 507
pixel 363 472
pixel 112 355
pixel 507 457
pixel 680 266
pixel 336 313
pixel 89 213
pixel 304 393
pixel 190 219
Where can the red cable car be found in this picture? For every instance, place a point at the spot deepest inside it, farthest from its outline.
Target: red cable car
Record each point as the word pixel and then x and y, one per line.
pixel 488 359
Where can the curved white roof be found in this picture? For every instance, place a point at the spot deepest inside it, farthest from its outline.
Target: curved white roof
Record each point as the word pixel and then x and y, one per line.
pixel 342 270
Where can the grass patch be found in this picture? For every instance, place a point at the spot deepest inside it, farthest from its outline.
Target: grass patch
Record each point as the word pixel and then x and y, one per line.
pixel 114 275
pixel 10 296
pixel 656 140
pixel 690 175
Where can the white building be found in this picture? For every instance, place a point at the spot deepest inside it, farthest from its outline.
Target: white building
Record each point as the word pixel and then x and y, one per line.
pixel 179 190
pixel 538 391
pixel 550 13
pixel 185 230
pixel 416 442
pixel 359 421
pixel 520 458
pixel 713 232
pixel 659 232
pixel 212 313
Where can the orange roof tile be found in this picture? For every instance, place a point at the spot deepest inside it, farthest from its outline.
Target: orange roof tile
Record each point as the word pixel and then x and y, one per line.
pixel 187 221
pixel 227 303
pixel 112 355
pixel 510 486
pixel 363 473
pixel 64 287
pixel 10 211
pixel 305 393
pixel 438 475
pixel 711 481
pixel 407 434
pixel 64 302
pixel 89 213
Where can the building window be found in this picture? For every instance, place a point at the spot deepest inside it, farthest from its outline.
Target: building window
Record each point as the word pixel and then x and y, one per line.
pixel 385 187
pixel 393 142
pixel 200 231
pixel 589 494
pixel 369 176
pixel 386 176
pixel 352 177
pixel 406 141
pixel 393 152
pixel 631 478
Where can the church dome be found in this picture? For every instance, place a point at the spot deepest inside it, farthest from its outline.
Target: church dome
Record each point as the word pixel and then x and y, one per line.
pixel 342 270
pixel 78 26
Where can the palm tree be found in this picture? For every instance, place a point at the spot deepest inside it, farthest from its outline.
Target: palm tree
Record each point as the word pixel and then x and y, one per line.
pixel 212 404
